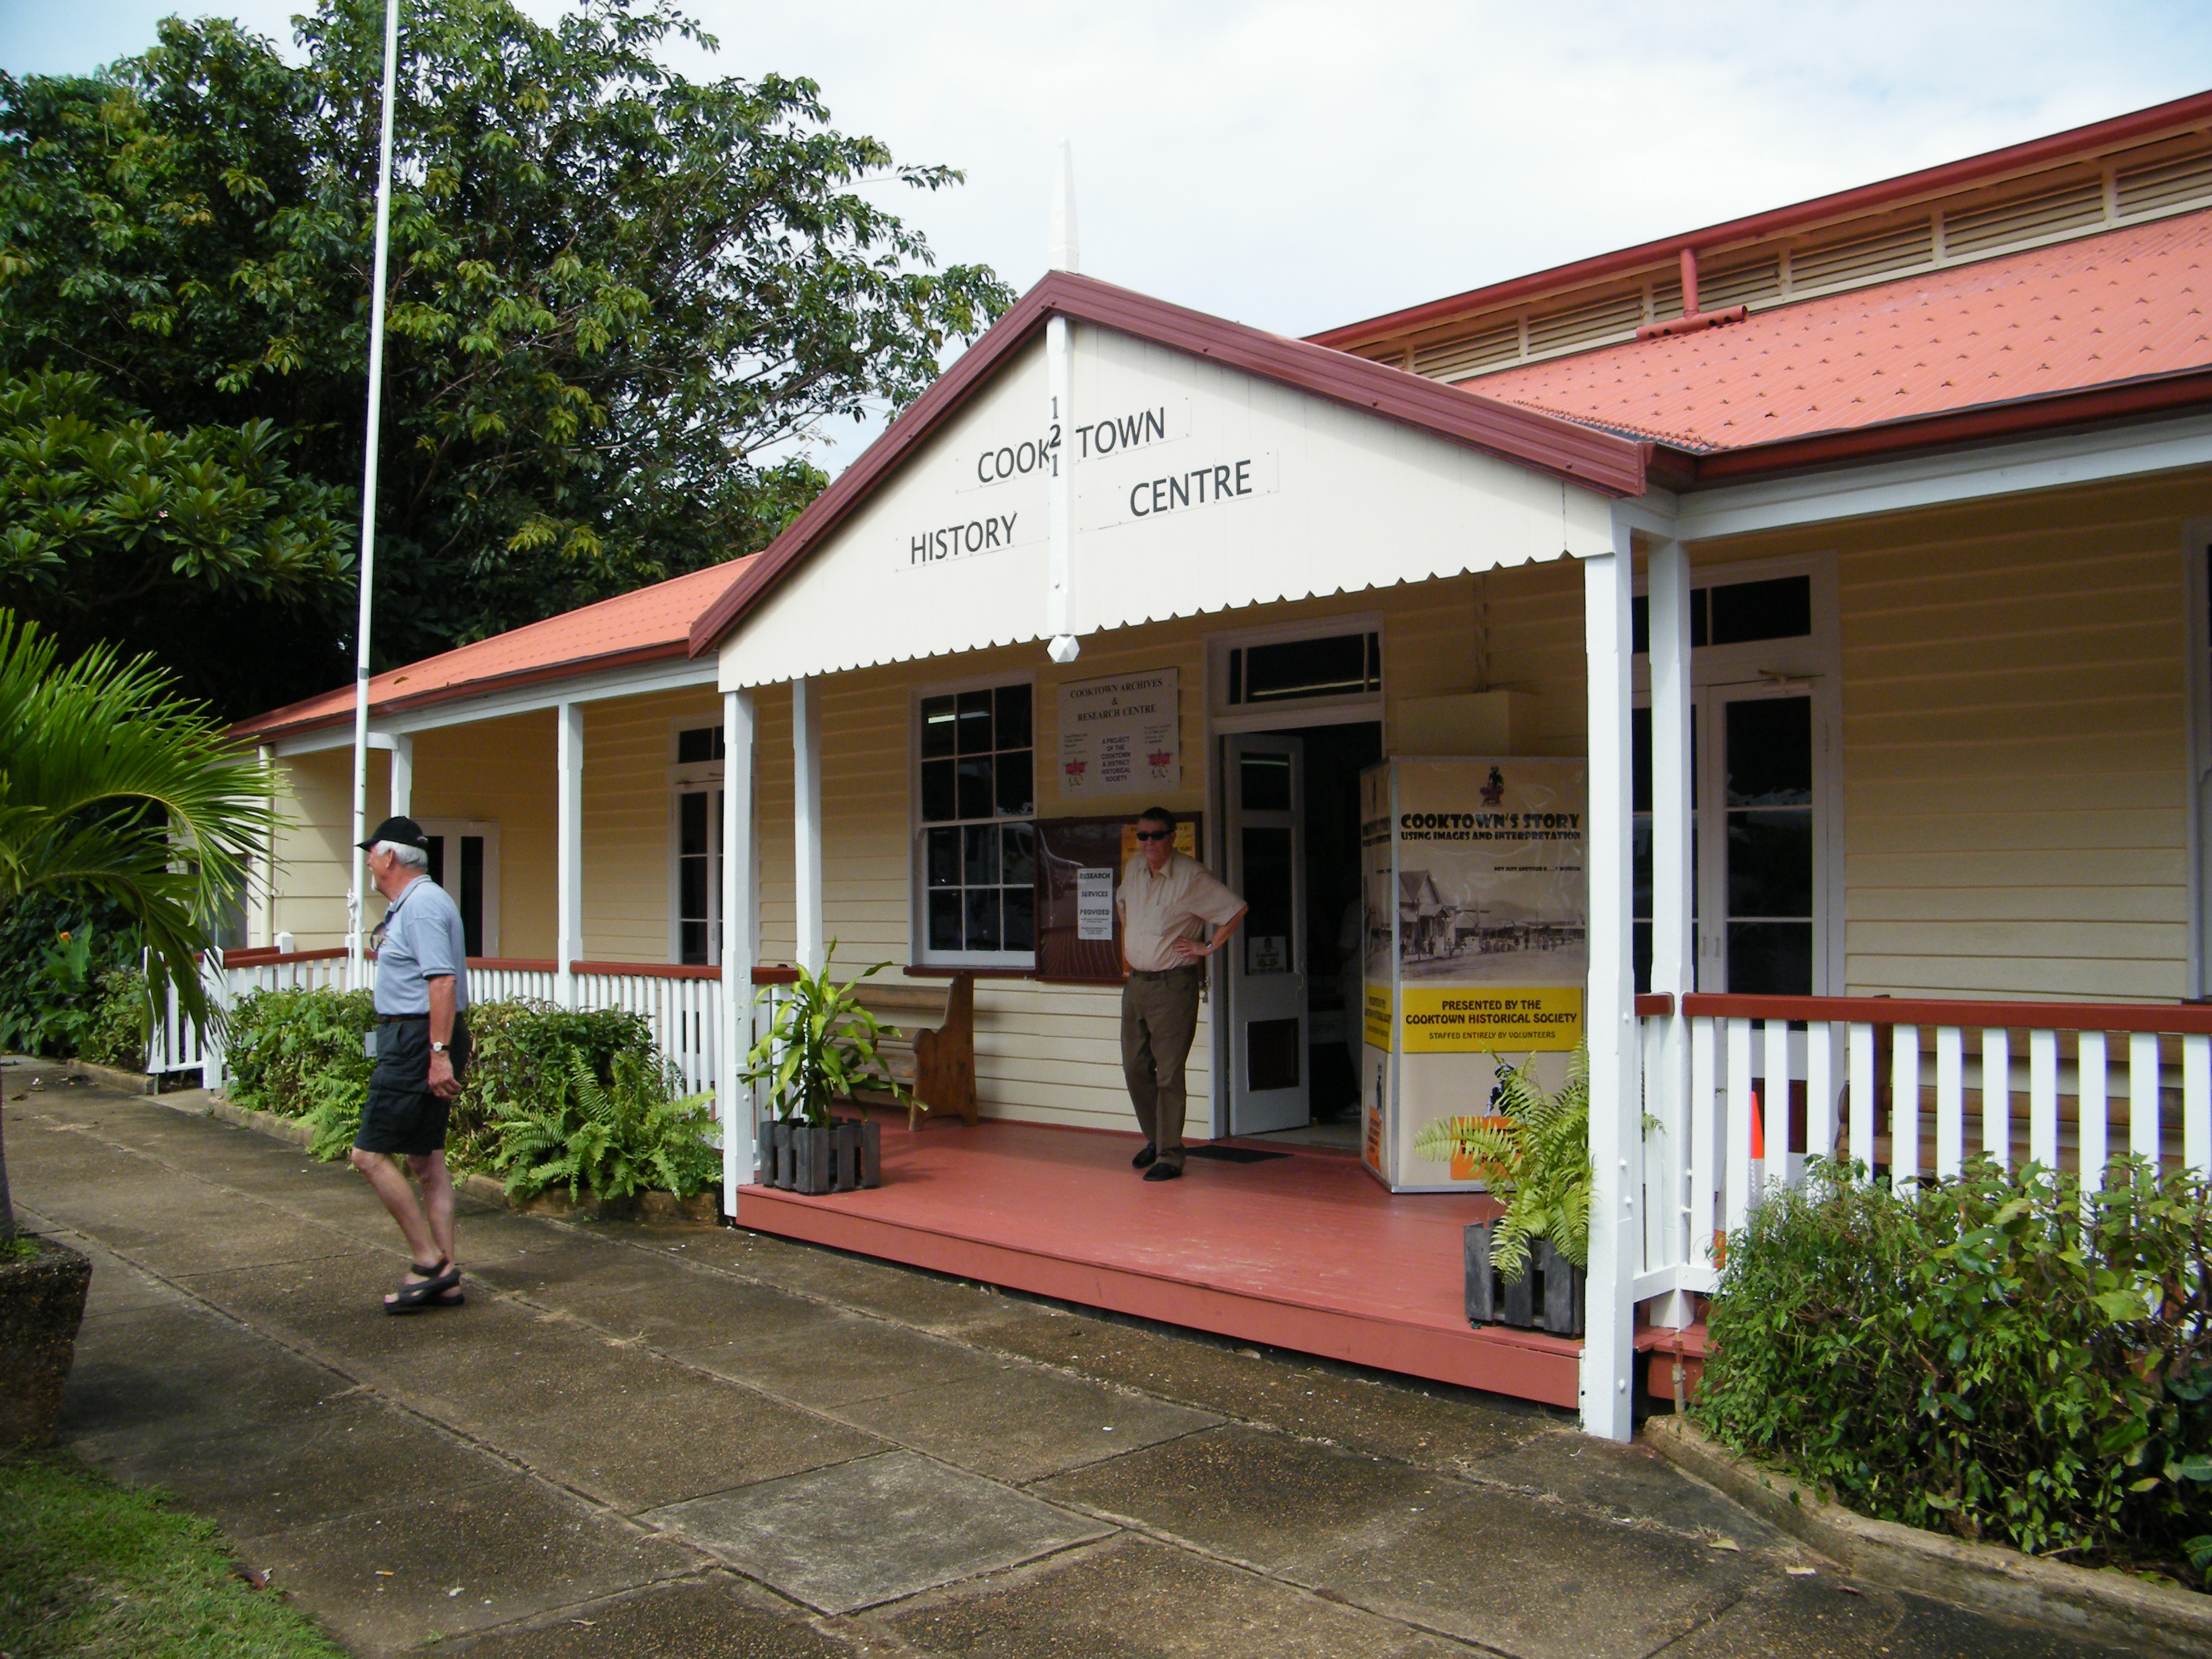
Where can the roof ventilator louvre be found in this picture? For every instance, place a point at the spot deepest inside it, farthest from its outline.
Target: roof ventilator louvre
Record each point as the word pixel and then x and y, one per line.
pixel 1494 347
pixel 1755 284
pixel 2048 213
pixel 1616 318
pixel 1863 259
pixel 2169 184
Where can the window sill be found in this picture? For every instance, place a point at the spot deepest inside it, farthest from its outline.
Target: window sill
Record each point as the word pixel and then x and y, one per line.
pixel 933 971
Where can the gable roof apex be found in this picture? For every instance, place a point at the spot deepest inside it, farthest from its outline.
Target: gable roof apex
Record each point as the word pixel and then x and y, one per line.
pixel 1597 461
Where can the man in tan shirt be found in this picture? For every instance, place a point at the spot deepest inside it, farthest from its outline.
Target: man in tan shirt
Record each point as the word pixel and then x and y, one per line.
pixel 1165 900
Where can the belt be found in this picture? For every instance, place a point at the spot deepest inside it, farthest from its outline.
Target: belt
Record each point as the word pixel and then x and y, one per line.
pixel 1163 973
pixel 394 1019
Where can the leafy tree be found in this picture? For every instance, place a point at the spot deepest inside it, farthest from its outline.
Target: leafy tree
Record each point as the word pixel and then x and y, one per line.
pixel 112 784
pixel 619 297
pixel 112 528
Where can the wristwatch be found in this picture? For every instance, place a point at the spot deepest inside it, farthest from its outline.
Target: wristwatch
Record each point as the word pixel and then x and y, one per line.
pixel 440 1047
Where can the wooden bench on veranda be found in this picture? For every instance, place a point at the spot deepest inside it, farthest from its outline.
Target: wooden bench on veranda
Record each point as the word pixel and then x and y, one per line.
pixel 928 1043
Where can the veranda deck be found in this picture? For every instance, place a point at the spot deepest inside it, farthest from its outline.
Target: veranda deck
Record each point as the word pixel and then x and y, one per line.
pixel 1303 1251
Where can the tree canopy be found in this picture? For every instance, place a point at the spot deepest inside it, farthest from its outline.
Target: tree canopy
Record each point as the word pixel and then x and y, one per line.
pixel 618 297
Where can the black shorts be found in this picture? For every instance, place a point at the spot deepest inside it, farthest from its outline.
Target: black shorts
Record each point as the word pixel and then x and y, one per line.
pixel 401 1114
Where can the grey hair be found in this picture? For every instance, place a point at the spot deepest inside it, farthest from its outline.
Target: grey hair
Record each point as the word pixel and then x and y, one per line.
pixel 414 857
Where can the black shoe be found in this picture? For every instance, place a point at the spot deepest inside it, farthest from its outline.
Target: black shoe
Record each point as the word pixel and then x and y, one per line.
pixel 1145 1159
pixel 1163 1172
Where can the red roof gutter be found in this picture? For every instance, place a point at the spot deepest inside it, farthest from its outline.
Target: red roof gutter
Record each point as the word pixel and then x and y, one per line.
pixel 1567 449
pixel 2195 111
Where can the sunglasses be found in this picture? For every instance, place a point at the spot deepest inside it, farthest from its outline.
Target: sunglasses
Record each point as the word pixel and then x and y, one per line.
pixel 1154 835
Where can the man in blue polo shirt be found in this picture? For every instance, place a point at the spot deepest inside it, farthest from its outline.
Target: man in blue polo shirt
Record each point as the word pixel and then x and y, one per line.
pixel 422 1049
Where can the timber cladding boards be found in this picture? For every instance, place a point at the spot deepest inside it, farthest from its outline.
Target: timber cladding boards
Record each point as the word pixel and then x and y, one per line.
pixel 506 771
pixel 2014 742
pixel 313 861
pixel 629 746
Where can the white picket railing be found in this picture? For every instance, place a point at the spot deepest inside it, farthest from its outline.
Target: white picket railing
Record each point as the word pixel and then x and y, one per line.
pixel 1907 1089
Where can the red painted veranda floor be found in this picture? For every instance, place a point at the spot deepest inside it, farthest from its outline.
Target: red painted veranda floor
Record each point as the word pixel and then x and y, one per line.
pixel 1305 1252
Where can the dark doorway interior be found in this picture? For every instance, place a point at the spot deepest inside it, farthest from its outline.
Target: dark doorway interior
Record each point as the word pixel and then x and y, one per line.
pixel 1334 758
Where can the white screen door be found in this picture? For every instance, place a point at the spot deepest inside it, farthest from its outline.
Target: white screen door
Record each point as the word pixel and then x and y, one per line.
pixel 1265 843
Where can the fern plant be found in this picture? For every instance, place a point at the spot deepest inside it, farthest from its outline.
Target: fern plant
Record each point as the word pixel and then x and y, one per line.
pixel 631 1133
pixel 1535 1157
pixel 820 1046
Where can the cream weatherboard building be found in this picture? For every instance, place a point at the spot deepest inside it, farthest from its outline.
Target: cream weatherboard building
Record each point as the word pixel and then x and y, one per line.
pixel 1860 548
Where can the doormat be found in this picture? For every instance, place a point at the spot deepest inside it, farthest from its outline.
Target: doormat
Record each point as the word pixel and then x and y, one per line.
pixel 1231 1154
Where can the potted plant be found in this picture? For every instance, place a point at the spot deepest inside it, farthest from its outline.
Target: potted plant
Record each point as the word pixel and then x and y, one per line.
pixel 1535 1155
pixel 819 1046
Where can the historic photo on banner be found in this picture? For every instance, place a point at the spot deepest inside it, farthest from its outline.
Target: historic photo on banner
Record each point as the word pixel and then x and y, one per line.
pixel 1476 896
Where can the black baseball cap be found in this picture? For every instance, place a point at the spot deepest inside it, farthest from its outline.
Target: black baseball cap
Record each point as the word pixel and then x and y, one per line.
pixel 404 832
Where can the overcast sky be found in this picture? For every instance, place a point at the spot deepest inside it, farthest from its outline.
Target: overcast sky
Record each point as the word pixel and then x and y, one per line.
pixel 1296 165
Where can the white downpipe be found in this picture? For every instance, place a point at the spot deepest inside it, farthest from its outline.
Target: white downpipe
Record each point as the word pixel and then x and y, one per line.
pixel 1609 1009
pixel 731 1098
pixel 569 854
pixel 403 776
pixel 806 818
pixel 356 931
pixel 264 877
pixel 1674 943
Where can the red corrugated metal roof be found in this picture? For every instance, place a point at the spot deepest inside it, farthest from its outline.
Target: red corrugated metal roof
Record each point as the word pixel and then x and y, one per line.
pixel 2126 305
pixel 631 628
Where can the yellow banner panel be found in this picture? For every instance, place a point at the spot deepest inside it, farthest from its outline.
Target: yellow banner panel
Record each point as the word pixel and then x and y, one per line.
pixel 1472 1019
pixel 1378 1015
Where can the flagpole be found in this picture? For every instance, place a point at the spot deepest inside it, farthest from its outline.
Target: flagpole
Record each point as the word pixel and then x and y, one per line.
pixel 356 898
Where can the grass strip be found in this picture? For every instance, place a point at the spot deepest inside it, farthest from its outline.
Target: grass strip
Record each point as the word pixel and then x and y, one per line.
pixel 94 1570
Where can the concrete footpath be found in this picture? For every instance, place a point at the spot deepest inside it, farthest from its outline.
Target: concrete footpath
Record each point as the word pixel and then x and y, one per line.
pixel 707 1442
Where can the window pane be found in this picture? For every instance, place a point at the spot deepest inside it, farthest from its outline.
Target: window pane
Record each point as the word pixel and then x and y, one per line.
pixel 1639 733
pixel 692 889
pixel 1639 624
pixel 974 786
pixel 1640 857
pixel 939 798
pixel 1770 752
pixel 1016 854
pixel 692 943
pixel 1769 863
pixel 701 742
pixel 472 895
pixel 936 727
pixel 1264 782
pixel 1016 784
pixel 1013 705
pixel 1770 958
pixel 974 722
pixel 944 858
pixel 945 918
pixel 980 867
pixel 982 908
pixel 1019 913
pixel 1306 668
pixel 1642 957
pixel 1269 882
pixel 691 825
pixel 1779 610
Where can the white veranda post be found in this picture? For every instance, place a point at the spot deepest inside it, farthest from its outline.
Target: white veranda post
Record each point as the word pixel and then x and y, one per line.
pixel 806 818
pixel 569 854
pixel 732 1097
pixel 1609 1010
pixel 1674 942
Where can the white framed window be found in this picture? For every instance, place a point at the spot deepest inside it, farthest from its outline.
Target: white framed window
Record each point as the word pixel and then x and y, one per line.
pixel 695 841
pixel 974 794
pixel 1259 677
pixel 1766 779
pixel 465 861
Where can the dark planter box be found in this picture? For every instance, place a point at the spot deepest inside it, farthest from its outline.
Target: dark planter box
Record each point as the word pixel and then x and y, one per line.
pixel 1548 1298
pixel 840 1155
pixel 41 1305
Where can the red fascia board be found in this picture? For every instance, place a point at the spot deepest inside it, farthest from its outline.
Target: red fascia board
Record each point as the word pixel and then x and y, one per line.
pixel 2059 411
pixel 1597 461
pixel 280 724
pixel 2182 113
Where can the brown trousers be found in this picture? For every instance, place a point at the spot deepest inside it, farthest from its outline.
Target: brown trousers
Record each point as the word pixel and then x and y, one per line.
pixel 1159 1017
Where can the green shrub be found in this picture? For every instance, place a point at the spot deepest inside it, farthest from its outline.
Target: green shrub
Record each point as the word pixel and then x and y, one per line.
pixel 1995 1355
pixel 521 1054
pixel 122 1020
pixel 630 1133
pixel 56 946
pixel 290 1050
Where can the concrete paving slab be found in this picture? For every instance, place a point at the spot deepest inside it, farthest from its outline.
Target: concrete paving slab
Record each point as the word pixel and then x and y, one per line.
pixel 699 1618
pixel 1625 1483
pixel 831 1358
pixel 910 1296
pixel 1128 1598
pixel 872 1531
pixel 684 1309
pixel 1390 1417
pixel 1255 1497
pixel 490 1554
pixel 559 1263
pixel 1816 1618
pixel 1025 1424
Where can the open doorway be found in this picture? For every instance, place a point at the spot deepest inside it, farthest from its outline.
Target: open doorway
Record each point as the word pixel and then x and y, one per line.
pixel 1291 849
